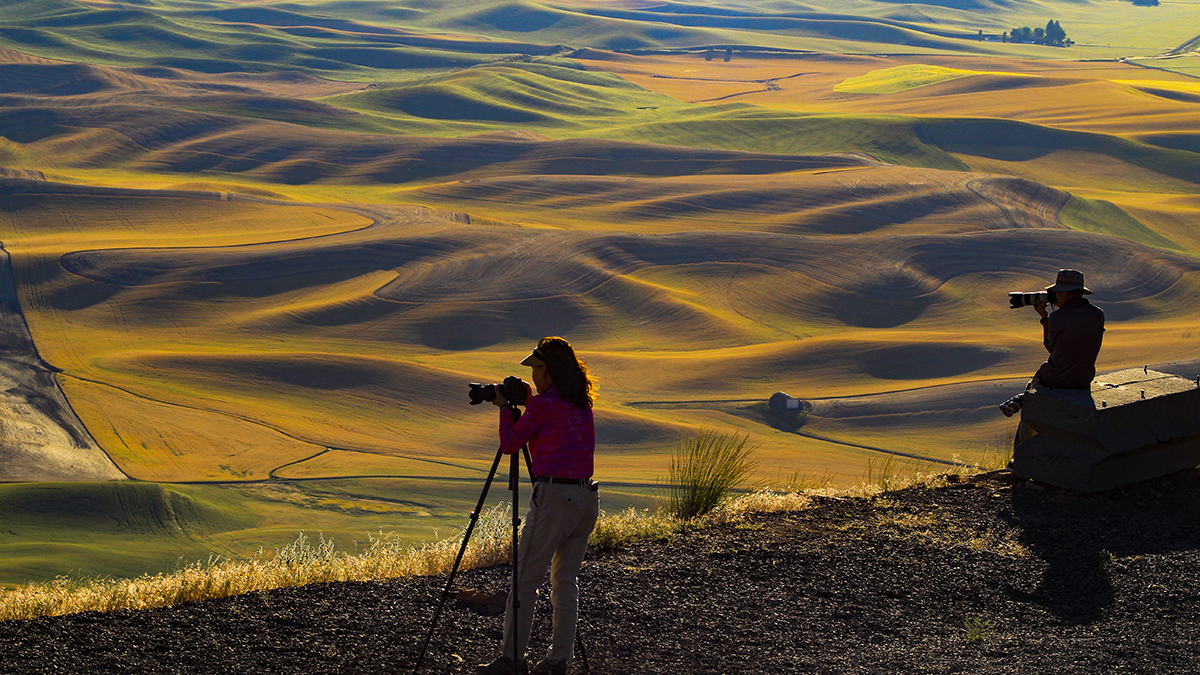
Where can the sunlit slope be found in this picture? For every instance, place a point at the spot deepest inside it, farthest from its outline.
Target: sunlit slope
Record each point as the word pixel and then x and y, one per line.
pixel 283 326
pixel 154 139
pixel 361 40
pixel 546 100
pixel 966 84
pixel 549 93
pixel 300 136
pixel 641 244
pixel 41 437
pixel 367 37
pixel 347 353
pixel 868 199
pixel 1106 99
pixel 228 37
pixel 1091 129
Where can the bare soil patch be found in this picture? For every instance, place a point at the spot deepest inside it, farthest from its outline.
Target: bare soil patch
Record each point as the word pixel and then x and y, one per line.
pixel 41 438
pixel 986 575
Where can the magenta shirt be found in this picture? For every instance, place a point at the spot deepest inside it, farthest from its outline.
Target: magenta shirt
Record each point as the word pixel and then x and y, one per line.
pixel 561 437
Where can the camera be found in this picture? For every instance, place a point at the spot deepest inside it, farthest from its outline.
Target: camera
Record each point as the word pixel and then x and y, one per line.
pixel 513 388
pixel 1019 299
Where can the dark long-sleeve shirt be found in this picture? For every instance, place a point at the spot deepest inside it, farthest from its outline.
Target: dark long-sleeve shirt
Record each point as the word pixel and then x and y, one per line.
pixel 561 437
pixel 1072 335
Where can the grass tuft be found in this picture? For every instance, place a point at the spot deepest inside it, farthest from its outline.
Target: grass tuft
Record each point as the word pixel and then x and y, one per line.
pixel 978 628
pixel 703 470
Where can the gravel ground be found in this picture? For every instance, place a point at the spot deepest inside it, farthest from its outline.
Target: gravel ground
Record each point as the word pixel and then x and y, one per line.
pixel 988 575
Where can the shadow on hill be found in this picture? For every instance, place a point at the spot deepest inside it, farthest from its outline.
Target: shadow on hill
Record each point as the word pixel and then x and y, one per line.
pixel 132 507
pixel 783 420
pixel 301 375
pixel 1020 141
pixel 930 360
pixel 431 103
pixel 54 80
pixel 459 326
pixel 889 299
pixel 1080 537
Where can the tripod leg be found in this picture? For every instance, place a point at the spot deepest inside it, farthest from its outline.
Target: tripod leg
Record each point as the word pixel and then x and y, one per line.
pixel 528 462
pixel 458 560
pixel 514 483
pixel 582 654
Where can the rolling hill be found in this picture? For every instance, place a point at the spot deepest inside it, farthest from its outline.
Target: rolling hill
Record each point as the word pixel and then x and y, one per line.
pixel 261 248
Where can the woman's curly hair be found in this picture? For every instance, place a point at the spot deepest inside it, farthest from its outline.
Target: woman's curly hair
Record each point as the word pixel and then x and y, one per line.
pixel 568 372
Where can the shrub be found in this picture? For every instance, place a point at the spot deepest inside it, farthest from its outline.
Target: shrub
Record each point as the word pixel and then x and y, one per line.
pixel 704 469
pixel 978 628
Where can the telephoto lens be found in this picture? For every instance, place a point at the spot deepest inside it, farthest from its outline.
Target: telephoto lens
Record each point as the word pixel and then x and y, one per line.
pixel 1019 299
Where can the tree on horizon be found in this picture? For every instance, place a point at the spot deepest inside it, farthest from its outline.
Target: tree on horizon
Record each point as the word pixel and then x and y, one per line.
pixel 1053 35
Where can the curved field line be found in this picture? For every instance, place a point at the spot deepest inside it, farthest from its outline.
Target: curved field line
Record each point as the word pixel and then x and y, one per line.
pixel 884 451
pixel 265 425
pixel 271 474
pixel 330 448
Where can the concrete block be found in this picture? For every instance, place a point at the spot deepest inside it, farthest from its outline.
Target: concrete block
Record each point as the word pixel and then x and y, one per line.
pixel 1133 425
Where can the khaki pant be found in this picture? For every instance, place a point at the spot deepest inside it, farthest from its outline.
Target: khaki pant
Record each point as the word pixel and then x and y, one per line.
pixel 555 536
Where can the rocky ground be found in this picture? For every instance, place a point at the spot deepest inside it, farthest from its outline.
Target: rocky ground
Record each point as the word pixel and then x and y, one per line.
pixel 985 575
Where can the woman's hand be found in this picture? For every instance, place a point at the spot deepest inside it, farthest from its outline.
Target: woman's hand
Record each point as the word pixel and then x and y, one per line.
pixel 499 401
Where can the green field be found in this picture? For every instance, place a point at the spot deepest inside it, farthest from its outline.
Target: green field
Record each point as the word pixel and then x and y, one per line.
pixel 266 245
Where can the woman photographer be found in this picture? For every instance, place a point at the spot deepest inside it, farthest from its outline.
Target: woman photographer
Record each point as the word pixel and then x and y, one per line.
pixel 561 434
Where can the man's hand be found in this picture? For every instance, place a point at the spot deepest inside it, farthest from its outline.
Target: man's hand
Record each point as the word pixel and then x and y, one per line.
pixel 1039 305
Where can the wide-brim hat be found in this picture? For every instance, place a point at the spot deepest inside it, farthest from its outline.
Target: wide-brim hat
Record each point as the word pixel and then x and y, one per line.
pixel 1068 280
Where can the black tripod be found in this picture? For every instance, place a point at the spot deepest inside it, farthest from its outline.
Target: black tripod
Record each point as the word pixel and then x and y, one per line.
pixel 514 480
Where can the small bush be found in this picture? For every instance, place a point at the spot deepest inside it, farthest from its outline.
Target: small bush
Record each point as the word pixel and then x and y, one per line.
pixel 704 469
pixel 978 628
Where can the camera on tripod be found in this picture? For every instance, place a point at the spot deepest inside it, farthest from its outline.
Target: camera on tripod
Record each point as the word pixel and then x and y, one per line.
pixel 1019 299
pixel 513 388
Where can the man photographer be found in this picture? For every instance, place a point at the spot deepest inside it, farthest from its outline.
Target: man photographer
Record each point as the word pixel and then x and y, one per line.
pixel 560 430
pixel 1072 335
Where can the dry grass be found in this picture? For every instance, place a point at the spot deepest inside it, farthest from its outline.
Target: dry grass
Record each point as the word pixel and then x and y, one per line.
pixel 890 473
pixel 942 531
pixel 308 561
pixel 305 561
pixel 613 531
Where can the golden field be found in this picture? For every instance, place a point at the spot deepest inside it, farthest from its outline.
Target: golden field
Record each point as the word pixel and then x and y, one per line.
pixel 279 286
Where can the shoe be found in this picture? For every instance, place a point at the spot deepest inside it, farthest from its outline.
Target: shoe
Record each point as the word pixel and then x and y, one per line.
pixel 548 667
pixel 1011 407
pixel 502 666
